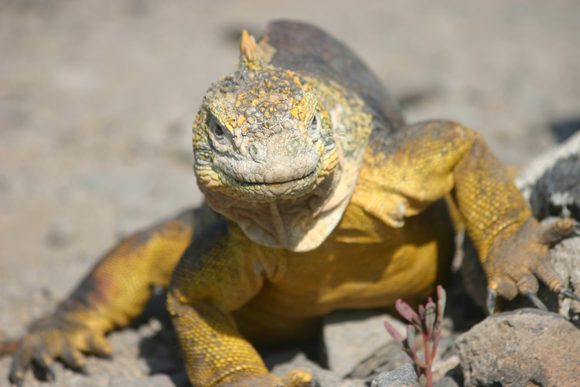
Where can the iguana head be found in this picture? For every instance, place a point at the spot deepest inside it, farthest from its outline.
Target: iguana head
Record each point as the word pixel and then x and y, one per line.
pixel 269 157
pixel 261 134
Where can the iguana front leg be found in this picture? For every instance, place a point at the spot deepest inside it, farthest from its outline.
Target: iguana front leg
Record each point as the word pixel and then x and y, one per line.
pixel 426 161
pixel 219 273
pixel 113 293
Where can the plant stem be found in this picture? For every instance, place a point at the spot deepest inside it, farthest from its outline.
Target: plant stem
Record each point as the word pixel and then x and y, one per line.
pixel 428 360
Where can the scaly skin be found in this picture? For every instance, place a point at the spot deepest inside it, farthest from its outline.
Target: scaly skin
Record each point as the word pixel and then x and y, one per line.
pixel 327 201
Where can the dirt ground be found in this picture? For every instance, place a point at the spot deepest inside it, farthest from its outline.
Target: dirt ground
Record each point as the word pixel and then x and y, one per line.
pixel 97 99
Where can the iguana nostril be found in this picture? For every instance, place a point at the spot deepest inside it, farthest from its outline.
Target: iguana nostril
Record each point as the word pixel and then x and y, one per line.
pixel 257 152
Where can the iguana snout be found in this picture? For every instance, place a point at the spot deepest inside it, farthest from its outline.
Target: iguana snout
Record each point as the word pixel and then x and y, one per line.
pixel 282 158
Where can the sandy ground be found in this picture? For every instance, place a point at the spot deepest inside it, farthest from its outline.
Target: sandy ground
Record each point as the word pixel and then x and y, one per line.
pixel 97 97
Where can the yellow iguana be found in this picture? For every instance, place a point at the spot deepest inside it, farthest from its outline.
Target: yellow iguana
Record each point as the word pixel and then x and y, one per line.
pixel 318 197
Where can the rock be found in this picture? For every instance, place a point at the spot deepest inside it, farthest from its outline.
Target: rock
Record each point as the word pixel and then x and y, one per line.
pixel 352 336
pixel 387 358
pixel 521 348
pixel 325 378
pixel 403 376
pixel 557 191
pixel 527 179
pixel 446 368
pixel 565 256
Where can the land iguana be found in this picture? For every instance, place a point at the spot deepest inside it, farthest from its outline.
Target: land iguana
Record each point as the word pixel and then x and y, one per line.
pixel 318 197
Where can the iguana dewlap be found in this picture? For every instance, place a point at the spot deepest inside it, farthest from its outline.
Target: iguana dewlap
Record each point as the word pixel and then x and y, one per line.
pixel 319 197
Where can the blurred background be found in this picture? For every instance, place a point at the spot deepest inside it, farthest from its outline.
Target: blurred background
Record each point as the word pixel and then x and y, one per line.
pixel 97 99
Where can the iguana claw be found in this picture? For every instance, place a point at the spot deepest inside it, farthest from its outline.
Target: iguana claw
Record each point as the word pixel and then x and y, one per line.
pixel 490 302
pixel 536 301
pixel 570 294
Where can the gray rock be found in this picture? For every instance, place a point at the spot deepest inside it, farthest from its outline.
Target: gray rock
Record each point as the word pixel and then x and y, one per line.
pixel 352 336
pixel 520 348
pixel 387 358
pixel 402 376
pixel 566 263
pixel 325 378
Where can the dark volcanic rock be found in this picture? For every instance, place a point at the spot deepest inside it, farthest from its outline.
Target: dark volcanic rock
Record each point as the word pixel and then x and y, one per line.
pixel 521 348
pixel 557 192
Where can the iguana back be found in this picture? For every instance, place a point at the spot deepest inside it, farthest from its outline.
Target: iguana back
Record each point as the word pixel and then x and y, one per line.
pixel 306 49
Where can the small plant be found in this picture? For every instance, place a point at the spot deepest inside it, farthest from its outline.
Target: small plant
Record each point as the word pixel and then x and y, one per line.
pixel 427 323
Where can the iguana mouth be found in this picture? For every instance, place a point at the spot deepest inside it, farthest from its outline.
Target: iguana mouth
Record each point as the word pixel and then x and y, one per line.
pixel 274 182
pixel 287 188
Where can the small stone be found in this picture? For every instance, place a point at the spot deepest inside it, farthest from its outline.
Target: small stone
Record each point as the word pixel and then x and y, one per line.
pixel 521 348
pixel 60 233
pixel 323 377
pixel 402 376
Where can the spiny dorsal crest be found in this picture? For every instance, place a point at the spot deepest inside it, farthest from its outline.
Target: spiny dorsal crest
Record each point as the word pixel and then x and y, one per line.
pixel 254 56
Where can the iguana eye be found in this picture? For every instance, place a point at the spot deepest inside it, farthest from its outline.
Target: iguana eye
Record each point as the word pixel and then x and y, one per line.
pixel 314 127
pixel 216 129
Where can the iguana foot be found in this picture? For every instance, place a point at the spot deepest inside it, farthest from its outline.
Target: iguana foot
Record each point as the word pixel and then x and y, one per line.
pixel 55 337
pixel 515 263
